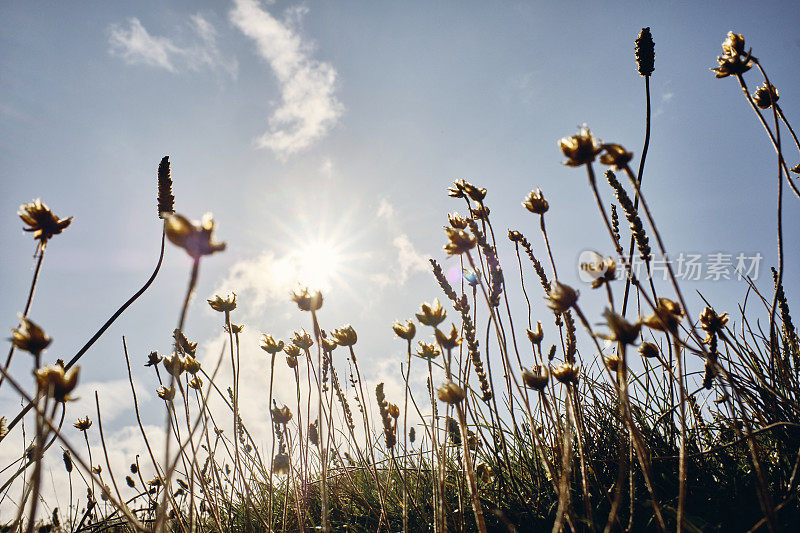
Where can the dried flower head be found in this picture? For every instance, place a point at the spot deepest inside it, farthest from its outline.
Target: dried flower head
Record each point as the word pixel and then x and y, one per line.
pixel 405 331
pixel 477 194
pixel 621 330
pixel 183 344
pixel 427 350
pixel 450 340
pixel 765 95
pixel 731 62
pixel 459 241
pixel 457 221
pixel 328 344
pixel 648 350
pixel 450 393
pixel 345 336
pixel 83 424
pixel 166 201
pixel 307 299
pixel 567 373
pixel 280 465
pixel 29 337
pixel 291 350
pixel 645 53
pixel 615 156
pixel 536 378
pixel 431 314
pixel 537 334
pixel 281 415
pixel 712 323
pixel 515 236
pixel 291 360
pixel 174 364
pixel 270 345
pixel 394 411
pixel 196 383
pixel 223 305
pixel 561 297
pixel 41 221
pixel 197 238
pixel 302 340
pixel 579 149
pixel 535 202
pixel 234 328
pixel 481 212
pixel 191 365
pixel 612 362
pixel 166 393
pixel 55 382
pixel 153 359
pixel 667 316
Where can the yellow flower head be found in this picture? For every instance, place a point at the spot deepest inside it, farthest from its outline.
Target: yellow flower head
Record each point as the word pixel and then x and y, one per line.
pixel 406 331
pixel 223 305
pixel 55 382
pixel 450 340
pixel 345 336
pixel 432 314
pixel 270 345
pixel 535 202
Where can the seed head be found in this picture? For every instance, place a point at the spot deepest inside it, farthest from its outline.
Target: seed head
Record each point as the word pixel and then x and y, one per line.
pixel 450 393
pixel 291 350
pixel 291 360
pixel 41 221
pixel 648 350
pixel 567 373
pixel 280 465
pixel 83 424
pixel 223 305
pixel 431 314
pixel 196 383
pixel 29 337
pixel 480 213
pixel 712 323
pixel 328 344
pixel 535 202
pixel 281 415
pixel 620 329
pixel 345 336
pixel 191 365
pixel 197 238
pixel 449 341
pixel 561 297
pixel 427 350
pixel 153 359
pixel 645 52
pixel 405 331
pixel 270 345
pixel 731 62
pixel 306 299
pixel 166 393
pixel 615 156
pixel 166 201
pixel 667 316
pixel 765 95
pixel 457 221
pixel 536 335
pixel 174 365
pixel 234 328
pixel 536 378
pixel 56 383
pixel 302 340
pixel 579 149
pixel 67 457
pixel 459 241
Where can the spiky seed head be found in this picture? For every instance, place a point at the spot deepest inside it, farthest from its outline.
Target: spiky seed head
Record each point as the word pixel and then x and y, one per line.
pixel 270 345
pixel 307 299
pixel 645 53
pixel 431 314
pixel 345 336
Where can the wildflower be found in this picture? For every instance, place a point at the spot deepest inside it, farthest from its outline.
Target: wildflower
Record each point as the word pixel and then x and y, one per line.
pixel 450 393
pixel 55 382
pixel 477 194
pixel 280 465
pixel 666 317
pixel 616 156
pixel 535 202
pixel 535 378
pixel 281 415
pixel 459 241
pixel 449 341
pixel 536 335
pixel 291 361
pixel 731 62
pixel 223 306
pixel 645 52
pixel 561 297
pixel 41 221
pixel 579 149
pixel 648 350
pixel 306 299
pixel 153 359
pixel 427 350
pixel 196 383
pixel 480 213
pixel 302 340
pixel 270 345
pixel 129 480
pixel 514 235
pixel 456 191
pixel 83 424
pixel 765 95
pixel 235 329
pixel 621 330
pixel 472 277
pixel 457 221
pixel 291 350
pixel 345 336
pixel 29 337
pixel 406 331
pixel 328 345
pixel 191 365
pixel 432 314
pixel 712 323
pixel 567 373
pixel 197 238
pixel 183 344
pixel 612 362
pixel 166 393
pixel 174 365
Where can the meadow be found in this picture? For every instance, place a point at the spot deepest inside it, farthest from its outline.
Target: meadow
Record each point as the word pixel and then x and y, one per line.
pixel 632 416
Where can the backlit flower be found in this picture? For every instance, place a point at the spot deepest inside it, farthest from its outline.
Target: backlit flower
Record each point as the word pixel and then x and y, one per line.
pixel 580 148
pixel 270 345
pixel 29 337
pixel 345 336
pixel 306 299
pixel 197 238
pixel 535 202
pixel 450 340
pixel 223 305
pixel 427 350
pixel 41 221
pixel 405 331
pixel 54 381
pixel 459 241
pixel 561 297
pixel 432 314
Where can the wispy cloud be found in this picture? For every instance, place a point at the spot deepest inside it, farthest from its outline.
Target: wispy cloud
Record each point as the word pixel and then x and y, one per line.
pixel 408 261
pixel 309 108
pixel 385 209
pixel 136 45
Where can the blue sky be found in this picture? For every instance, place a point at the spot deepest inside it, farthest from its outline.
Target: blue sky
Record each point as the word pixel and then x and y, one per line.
pixel 343 123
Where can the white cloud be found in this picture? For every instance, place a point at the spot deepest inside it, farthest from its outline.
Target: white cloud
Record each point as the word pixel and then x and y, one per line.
pixel 385 209
pixel 408 259
pixel 260 281
pixel 136 45
pixel 308 108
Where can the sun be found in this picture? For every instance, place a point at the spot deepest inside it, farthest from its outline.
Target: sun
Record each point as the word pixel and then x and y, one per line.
pixel 317 265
